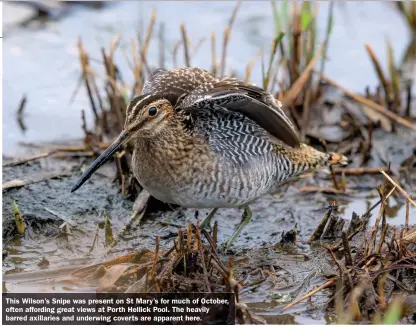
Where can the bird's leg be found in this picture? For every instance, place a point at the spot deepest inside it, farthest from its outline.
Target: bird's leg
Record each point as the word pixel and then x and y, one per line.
pixel 139 206
pixel 207 221
pixel 244 221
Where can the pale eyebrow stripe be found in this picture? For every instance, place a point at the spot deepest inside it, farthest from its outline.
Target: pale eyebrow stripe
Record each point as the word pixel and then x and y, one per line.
pixel 136 105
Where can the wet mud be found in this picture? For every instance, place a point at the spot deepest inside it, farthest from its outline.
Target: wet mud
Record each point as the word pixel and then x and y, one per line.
pixel 69 232
pixel 277 272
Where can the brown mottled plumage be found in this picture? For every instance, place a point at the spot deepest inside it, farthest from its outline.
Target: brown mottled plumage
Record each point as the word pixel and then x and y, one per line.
pixel 208 142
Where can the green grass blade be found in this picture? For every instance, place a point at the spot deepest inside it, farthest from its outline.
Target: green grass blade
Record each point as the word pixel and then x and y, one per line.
pixel 305 16
pixel 276 17
pixel 284 11
pixel 273 52
pixel 393 313
pixel 263 72
pixel 20 224
pixel 328 32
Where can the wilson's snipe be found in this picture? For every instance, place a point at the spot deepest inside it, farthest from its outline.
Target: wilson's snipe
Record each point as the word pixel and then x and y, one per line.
pixel 208 142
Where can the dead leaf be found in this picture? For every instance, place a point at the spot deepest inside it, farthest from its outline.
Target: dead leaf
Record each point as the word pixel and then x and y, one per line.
pixel 410 236
pixel 113 274
pixel 375 116
pixel 137 287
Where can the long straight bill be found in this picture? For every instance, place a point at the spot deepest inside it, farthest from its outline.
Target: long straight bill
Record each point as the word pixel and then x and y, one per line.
pixel 102 159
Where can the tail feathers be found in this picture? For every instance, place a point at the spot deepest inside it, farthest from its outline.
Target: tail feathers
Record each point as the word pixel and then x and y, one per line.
pixel 322 165
pixel 306 159
pixel 337 159
pixel 317 159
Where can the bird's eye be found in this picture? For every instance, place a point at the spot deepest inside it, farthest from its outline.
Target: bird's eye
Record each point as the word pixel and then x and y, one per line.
pixel 152 111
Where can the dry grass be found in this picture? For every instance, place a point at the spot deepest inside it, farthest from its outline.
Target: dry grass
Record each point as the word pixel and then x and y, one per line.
pixel 387 255
pixel 191 265
pixel 298 55
pixel 392 85
pixel 289 73
pixel 294 53
pixel 293 57
pixel 370 279
pixel 408 10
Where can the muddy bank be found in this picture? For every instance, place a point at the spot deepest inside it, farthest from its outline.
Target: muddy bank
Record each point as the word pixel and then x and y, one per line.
pixel 272 258
pixel 276 274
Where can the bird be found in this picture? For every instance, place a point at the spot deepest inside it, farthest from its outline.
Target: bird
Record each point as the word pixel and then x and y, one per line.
pixel 202 141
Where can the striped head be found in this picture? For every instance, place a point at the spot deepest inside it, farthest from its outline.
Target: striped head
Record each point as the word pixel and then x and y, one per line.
pixel 148 115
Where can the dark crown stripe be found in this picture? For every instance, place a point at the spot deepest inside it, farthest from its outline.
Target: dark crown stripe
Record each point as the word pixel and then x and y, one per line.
pixel 143 100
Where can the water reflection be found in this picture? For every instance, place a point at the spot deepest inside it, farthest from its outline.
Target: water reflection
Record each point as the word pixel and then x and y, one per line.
pixel 44 62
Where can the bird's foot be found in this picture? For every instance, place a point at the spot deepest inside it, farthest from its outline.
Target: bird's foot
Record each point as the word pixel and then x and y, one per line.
pixel 244 221
pixel 206 223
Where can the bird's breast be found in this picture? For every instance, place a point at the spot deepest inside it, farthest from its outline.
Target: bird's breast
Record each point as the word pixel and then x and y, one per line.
pixel 168 170
pixel 191 175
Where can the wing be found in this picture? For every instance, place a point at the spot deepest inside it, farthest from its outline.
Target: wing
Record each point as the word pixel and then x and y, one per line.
pixel 178 82
pixel 147 87
pixel 251 101
pixel 192 88
pixel 233 136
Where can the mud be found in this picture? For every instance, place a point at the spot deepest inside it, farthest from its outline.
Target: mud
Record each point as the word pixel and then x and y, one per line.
pixel 43 258
pixel 278 274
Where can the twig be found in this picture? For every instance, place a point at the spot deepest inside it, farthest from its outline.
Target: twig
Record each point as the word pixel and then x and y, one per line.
pixel 162 46
pixel 68 234
pixel 347 250
pixel 156 258
pixel 297 86
pixel 327 284
pixel 202 257
pixel 213 248
pixel 358 171
pixel 145 45
pixel 19 182
pixel 227 34
pixel 113 96
pixel 375 228
pixel 19 112
pixel 249 67
pixel 408 99
pixel 383 230
pixel 327 34
pixel 25 160
pixel 406 224
pixel 214 234
pixel 334 180
pixel 370 104
pixel 337 262
pixel 213 54
pixel 175 49
pixel 198 46
pixel 308 188
pixel 319 230
pixel 72 149
pixel 84 122
pixel 377 203
pixel 83 57
pixel 94 239
pixel 185 46
pixel 407 196
pixel 379 71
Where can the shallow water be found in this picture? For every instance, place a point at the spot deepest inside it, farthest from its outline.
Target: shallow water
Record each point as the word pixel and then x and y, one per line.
pixel 43 62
